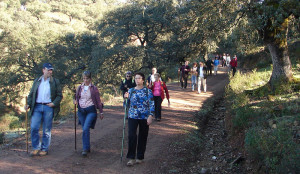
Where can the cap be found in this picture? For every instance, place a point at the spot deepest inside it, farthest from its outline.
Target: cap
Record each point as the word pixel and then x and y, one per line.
pixel 48 66
pixel 129 72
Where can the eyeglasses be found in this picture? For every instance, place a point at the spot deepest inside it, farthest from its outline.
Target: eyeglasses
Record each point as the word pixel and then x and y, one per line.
pixel 128 76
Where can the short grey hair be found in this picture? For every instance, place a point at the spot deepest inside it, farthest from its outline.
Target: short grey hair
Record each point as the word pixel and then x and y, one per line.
pixel 87 74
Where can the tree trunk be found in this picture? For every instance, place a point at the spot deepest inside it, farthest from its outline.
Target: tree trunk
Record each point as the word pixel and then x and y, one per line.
pixel 276 40
pixel 282 69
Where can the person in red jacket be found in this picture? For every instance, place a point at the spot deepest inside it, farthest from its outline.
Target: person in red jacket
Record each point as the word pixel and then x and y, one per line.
pixel 158 87
pixel 233 64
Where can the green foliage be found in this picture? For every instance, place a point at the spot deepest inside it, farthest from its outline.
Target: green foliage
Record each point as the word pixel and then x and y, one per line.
pixel 15 124
pixel 275 147
pixel 242 117
pixel 252 80
pixel 8 121
pixel 1 137
pixel 66 105
pixel 269 118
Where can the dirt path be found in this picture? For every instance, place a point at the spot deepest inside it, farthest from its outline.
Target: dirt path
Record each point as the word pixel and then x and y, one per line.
pixel 106 139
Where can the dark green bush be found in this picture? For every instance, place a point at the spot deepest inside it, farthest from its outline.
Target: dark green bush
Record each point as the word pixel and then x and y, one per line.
pixel 15 124
pixel 1 137
pixel 242 117
pixel 276 148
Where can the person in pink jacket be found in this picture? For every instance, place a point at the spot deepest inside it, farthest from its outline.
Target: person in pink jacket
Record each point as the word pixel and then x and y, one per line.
pixel 158 88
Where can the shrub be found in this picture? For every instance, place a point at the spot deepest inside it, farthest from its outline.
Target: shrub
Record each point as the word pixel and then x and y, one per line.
pixel 240 100
pixel 242 117
pixel 5 121
pixel 274 147
pixel 66 106
pixel 1 137
pixel 15 124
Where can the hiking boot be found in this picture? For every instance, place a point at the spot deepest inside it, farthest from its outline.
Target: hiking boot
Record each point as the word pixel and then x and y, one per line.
pixel 131 162
pixel 138 161
pixel 34 153
pixel 43 153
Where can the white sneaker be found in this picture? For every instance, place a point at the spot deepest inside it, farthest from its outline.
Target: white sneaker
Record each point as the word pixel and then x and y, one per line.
pixel 199 92
pixel 138 161
pixel 131 162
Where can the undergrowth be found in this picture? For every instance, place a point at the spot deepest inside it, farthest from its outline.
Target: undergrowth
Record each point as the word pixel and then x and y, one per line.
pixel 269 118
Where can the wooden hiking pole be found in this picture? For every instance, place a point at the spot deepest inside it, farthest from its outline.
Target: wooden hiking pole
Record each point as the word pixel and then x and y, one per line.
pixel 26 125
pixel 75 118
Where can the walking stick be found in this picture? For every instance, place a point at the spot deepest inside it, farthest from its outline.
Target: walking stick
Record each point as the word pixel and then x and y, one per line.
pixel 75 126
pixel 75 118
pixel 26 125
pixel 124 120
pixel 178 78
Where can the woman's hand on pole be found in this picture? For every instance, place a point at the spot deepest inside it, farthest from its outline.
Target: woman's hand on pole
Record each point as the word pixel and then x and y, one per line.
pixel 149 119
pixel 101 116
pixel 126 95
pixel 26 107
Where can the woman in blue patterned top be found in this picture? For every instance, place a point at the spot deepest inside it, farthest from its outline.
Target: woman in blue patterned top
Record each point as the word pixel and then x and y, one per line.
pixel 141 109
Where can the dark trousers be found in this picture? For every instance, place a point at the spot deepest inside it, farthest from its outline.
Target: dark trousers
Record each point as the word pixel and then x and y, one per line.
pixel 209 70
pixel 233 70
pixel 183 80
pixel 139 141
pixel 157 103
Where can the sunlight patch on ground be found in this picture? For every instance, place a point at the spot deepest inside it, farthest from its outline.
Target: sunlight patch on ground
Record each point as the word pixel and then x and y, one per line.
pixel 8 166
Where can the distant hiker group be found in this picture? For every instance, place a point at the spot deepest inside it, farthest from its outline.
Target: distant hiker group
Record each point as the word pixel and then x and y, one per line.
pixel 199 72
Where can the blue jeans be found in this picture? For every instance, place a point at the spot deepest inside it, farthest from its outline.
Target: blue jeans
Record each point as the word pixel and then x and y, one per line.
pixel 194 81
pixel 86 117
pixel 41 113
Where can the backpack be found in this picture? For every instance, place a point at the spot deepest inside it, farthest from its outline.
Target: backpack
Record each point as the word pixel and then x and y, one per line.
pixel 124 80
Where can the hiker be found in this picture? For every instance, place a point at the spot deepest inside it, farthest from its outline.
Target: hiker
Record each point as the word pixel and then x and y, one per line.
pixel 209 64
pixel 151 76
pixel 88 101
pixel 141 110
pixel 216 64
pixel 224 60
pixel 185 69
pixel 202 76
pixel 44 102
pixel 194 75
pixel 126 84
pixel 228 59
pixel 233 64
pixel 158 87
